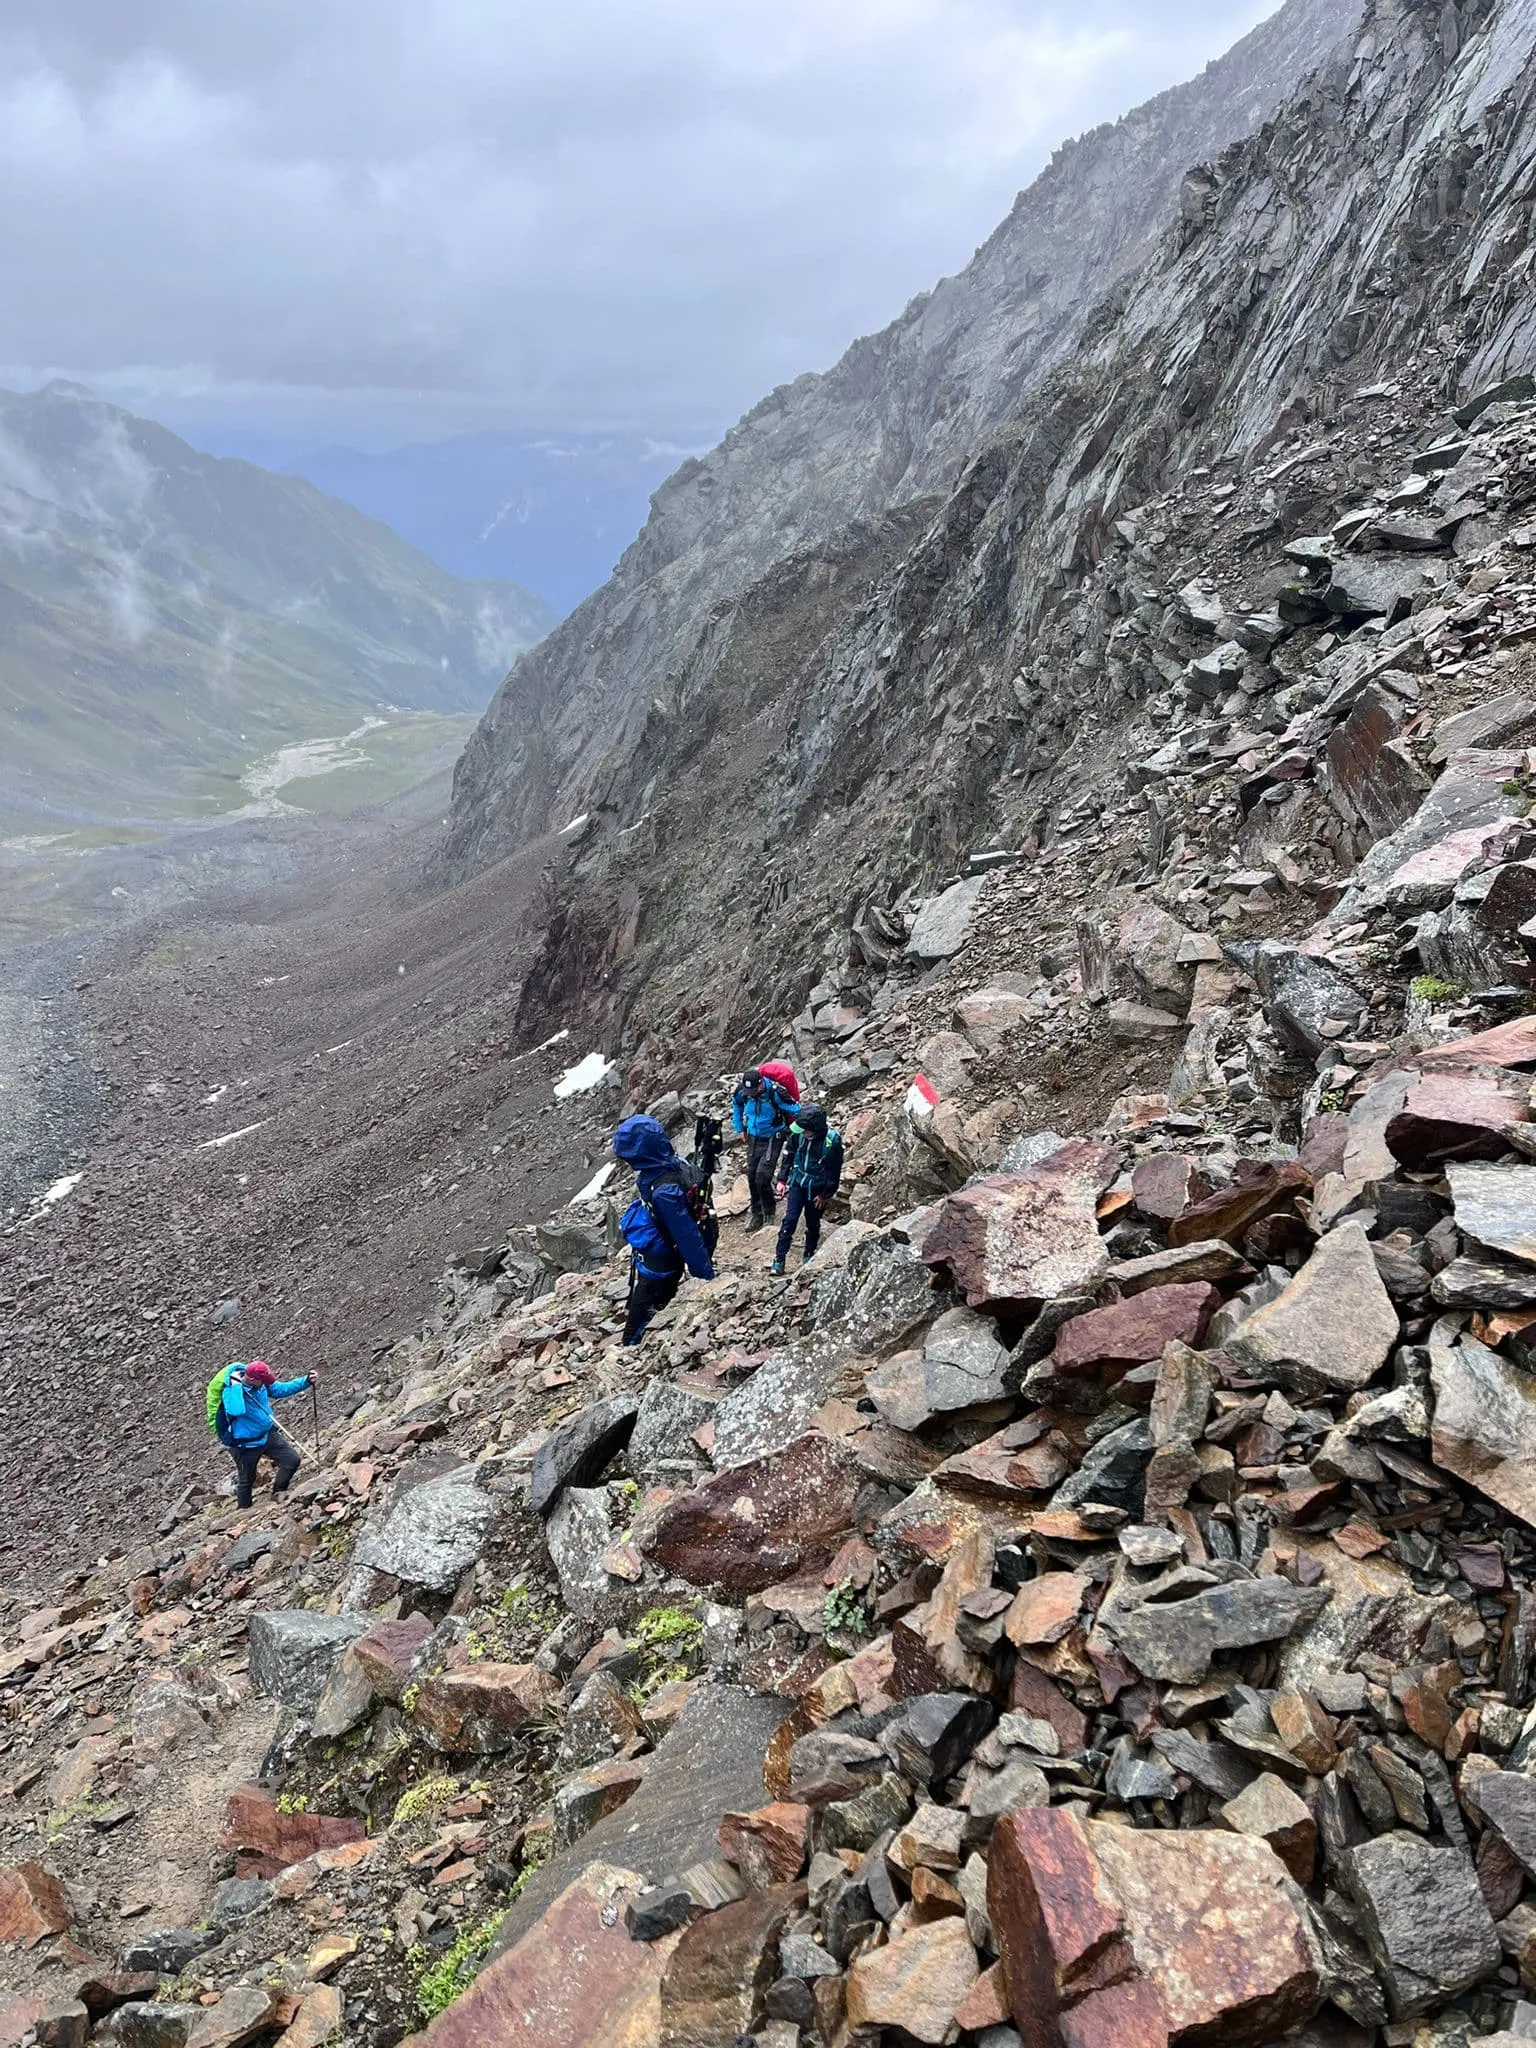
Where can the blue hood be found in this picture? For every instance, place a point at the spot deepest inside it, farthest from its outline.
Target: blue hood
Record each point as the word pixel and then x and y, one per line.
pixel 642 1142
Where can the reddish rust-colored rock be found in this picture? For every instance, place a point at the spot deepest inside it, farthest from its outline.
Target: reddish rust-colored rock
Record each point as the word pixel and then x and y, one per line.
pixel 388 1650
pixel 33 1904
pixel 1033 1693
pixel 1083 1910
pixel 266 1841
pixel 755 1524
pixel 574 1980
pixel 916 1983
pixel 482 1710
pixel 985 2004
pixel 1258 1188
pixel 1046 1608
pixel 721 1967
pixel 1506 1045
pixel 1450 1114
pixel 1019 1238
pixel 1109 1341
pixel 108 1989
pixel 769 1845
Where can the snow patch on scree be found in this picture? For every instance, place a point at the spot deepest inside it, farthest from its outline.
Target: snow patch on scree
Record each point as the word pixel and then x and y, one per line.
pixel 586 1075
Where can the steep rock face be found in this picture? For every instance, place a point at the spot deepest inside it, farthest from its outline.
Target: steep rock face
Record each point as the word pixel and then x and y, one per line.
pixel 893 422
pixel 986 665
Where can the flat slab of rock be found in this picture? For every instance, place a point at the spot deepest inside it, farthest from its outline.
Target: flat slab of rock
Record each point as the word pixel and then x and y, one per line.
pixel 1027 1237
pixel 574 1979
pixel 943 925
pixel 1133 1937
pixel 1484 1426
pixel 1210 1258
pixel 1450 1115
pixel 1258 1188
pixel 576 1452
pixel 1497 1206
pixel 1108 1341
pixel 430 1535
pixel 710 1763
pixel 1332 1329
pixel 267 1840
pixel 915 1983
pixel 1176 1640
pixel 755 1524
pixel 1424 1916
pixel 294 1652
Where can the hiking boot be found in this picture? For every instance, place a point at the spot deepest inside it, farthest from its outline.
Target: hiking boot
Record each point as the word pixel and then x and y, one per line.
pixel 756 1223
pixel 808 1258
pixel 777 1266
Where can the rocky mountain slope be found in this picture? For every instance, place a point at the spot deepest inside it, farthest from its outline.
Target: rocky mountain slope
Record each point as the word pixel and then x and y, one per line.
pixel 1096 1600
pixel 166 617
pixel 891 424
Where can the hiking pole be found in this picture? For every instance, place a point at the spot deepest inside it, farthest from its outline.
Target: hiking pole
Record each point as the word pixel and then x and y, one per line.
pixel 314 1411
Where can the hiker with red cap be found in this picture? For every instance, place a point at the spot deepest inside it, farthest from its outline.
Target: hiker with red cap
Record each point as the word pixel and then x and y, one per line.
pixel 761 1108
pixel 248 1430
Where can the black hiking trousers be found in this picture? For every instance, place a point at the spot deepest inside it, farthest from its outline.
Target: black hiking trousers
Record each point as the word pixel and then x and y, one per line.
pixel 247 1457
pixel 649 1294
pixel 762 1164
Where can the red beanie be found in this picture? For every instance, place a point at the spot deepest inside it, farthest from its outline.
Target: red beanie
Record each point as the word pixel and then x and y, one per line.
pixel 259 1372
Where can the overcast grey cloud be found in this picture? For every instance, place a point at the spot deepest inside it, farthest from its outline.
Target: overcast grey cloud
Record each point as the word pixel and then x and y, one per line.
pixel 372 219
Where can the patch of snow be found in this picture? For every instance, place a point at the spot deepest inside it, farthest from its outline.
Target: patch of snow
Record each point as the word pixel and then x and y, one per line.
pixel 60 1188
pixel 592 1072
pixel 221 1090
pixel 229 1137
pixel 594 1186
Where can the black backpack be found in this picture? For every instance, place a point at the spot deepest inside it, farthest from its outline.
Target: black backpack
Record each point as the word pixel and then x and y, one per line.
pixel 708 1141
pixel 698 1193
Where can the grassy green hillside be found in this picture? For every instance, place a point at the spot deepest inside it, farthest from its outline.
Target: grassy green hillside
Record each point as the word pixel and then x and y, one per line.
pixel 168 618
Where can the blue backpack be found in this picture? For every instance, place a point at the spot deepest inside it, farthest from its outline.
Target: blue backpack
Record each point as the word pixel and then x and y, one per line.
pixel 647 1236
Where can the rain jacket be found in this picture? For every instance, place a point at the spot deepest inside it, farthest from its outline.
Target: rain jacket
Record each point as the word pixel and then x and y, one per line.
pixel 761 1112
pixel 660 1230
pixel 250 1420
pixel 812 1162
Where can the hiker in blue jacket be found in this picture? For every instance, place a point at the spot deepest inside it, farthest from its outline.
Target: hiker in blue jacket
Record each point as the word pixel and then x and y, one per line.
pixel 761 1112
pixel 249 1431
pixel 669 1225
pixel 809 1175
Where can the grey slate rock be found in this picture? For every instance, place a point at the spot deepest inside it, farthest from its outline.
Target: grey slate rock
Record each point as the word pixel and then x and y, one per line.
pixel 430 1535
pixel 943 924
pixel 578 1450
pixel 237 1899
pixel 662 1439
pixel 937 1733
pixel 293 1653
pixel 1507 1801
pixel 142 2024
pixel 658 1911
pixel 1113 1471
pixel 168 1949
pixel 1176 1640
pixel 1301 995
pixel 1424 1917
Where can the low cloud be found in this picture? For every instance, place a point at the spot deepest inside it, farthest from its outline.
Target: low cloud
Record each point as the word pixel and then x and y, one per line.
pixel 370 218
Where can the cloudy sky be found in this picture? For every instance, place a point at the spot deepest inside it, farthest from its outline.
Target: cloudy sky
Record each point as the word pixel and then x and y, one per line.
pixel 378 220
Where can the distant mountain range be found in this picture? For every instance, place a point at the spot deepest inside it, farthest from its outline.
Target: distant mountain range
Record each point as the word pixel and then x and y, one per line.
pixel 167 616
pixel 554 512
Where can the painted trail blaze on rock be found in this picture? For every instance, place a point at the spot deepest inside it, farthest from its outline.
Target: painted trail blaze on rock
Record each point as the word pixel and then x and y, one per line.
pixel 1140 1938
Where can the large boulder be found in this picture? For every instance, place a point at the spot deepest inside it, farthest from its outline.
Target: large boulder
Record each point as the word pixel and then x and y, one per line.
pixel 294 1653
pixel 430 1534
pixel 1497 1206
pixel 1484 1428
pixel 1022 1238
pixel 1136 1936
pixel 482 1710
pixel 943 924
pixel 962 1365
pixel 1331 1330
pixel 755 1524
pixel 1425 1918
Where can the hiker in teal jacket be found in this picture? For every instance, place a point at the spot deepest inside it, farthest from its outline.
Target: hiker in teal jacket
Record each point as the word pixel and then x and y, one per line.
pixel 809 1175
pixel 249 1431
